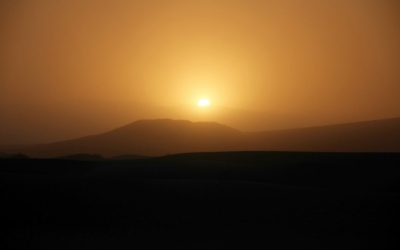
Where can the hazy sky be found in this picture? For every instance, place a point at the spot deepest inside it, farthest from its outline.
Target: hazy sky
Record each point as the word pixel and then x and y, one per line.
pixel 89 65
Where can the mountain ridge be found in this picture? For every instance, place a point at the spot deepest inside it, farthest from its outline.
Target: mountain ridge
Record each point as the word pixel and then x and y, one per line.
pixel 167 136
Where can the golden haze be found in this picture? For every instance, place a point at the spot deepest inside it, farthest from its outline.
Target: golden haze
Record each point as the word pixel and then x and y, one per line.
pixel 72 68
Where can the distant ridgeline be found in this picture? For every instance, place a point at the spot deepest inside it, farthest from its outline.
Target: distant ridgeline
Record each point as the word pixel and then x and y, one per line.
pixel 13 156
pixel 165 136
pixel 82 157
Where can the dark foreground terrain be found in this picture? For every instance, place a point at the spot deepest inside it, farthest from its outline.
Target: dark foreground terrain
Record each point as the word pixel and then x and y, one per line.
pixel 270 200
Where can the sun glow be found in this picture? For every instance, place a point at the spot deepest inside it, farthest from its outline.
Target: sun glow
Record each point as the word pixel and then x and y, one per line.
pixel 203 103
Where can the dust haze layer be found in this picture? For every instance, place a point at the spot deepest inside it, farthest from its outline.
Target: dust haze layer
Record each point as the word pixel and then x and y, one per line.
pixel 161 137
pixel 71 68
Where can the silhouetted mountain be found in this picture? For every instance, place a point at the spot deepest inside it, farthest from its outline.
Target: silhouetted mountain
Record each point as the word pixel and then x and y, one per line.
pixel 244 120
pixel 161 137
pixel 148 138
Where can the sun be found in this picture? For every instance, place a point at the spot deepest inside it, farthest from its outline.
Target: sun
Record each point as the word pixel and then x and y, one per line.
pixel 203 103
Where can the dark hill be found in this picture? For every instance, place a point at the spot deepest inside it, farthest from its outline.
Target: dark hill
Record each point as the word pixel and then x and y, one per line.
pixel 149 138
pixel 162 137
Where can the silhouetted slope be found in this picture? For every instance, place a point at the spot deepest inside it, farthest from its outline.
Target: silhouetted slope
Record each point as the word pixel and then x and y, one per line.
pixel 161 137
pixel 370 136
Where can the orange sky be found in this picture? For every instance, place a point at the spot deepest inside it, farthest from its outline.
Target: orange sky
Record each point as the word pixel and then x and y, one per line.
pixel 70 68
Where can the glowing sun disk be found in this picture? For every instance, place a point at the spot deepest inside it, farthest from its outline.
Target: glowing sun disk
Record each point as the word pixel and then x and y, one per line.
pixel 203 103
